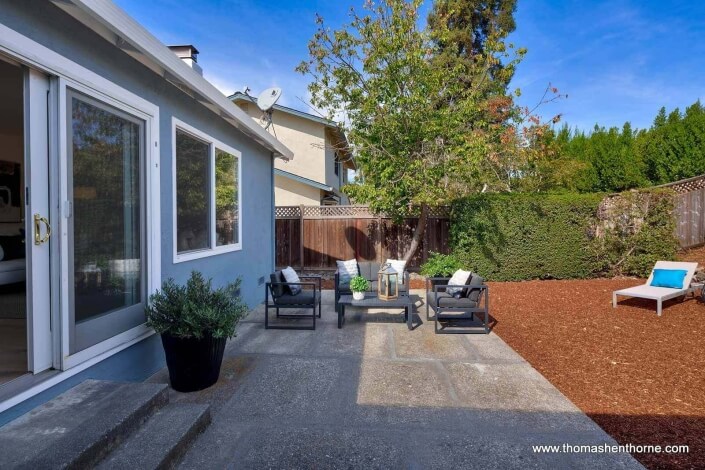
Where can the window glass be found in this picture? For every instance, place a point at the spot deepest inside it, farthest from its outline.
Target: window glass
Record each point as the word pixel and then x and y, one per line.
pixel 192 193
pixel 106 241
pixel 226 199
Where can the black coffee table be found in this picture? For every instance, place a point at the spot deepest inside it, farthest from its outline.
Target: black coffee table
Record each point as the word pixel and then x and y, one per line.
pixel 372 301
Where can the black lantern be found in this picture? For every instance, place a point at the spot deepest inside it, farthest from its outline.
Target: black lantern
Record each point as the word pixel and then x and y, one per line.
pixel 387 282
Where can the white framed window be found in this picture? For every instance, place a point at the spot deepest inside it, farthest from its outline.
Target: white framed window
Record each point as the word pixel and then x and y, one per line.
pixel 207 194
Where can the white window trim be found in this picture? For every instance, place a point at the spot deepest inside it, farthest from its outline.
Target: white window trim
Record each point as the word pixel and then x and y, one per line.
pixel 177 124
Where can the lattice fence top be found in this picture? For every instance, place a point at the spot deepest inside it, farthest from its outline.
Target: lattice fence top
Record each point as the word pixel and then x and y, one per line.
pixel 287 212
pixel 687 185
pixel 343 212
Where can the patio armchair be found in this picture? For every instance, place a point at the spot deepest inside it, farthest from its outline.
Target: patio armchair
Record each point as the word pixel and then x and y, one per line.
pixel 451 308
pixel 368 270
pixel 278 296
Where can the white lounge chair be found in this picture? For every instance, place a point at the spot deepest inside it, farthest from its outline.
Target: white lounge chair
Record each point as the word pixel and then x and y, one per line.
pixel 659 294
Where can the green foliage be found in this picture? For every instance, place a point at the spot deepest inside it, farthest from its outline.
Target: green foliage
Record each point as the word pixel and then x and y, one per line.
pixel 674 148
pixel 359 284
pixel 468 29
pixel 512 237
pixel 195 309
pixel 617 160
pixel 418 126
pixel 440 265
pixel 630 245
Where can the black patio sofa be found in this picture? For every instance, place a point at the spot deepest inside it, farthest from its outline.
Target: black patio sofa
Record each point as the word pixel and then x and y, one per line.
pixel 368 270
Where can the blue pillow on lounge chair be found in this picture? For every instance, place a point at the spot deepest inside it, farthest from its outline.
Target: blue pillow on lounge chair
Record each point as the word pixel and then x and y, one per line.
pixel 672 278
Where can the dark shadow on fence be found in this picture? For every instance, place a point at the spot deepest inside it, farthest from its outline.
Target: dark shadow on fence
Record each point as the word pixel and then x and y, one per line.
pixel 317 242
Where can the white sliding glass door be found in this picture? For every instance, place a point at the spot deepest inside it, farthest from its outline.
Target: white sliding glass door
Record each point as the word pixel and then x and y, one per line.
pixel 106 225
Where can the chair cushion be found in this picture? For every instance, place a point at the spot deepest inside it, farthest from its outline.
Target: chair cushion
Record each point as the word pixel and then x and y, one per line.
pixel 447 301
pixel 671 278
pixel 344 289
pixel 291 276
pixel 474 293
pixel 399 265
pixel 347 270
pixel 304 298
pixel 276 279
pixel 364 269
pixel 459 278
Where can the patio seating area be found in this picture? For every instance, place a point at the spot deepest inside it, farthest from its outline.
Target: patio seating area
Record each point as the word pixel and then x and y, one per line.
pixel 376 395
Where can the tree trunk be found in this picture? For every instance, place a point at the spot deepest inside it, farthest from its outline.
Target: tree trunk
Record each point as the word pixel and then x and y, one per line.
pixel 418 234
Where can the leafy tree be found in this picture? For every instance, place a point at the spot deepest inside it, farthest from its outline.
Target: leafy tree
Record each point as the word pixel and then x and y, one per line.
pixel 522 156
pixel 417 127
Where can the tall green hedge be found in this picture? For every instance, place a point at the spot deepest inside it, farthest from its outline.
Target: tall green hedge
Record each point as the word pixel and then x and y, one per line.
pixel 511 237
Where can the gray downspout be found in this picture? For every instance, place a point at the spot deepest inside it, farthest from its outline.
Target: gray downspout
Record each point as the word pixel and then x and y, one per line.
pixel 273 219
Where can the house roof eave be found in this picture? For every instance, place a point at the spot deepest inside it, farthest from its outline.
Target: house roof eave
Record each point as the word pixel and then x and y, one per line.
pixel 112 23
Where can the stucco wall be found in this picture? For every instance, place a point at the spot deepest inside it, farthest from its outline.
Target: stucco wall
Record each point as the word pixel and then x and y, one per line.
pixel 41 21
pixel 288 192
pixel 305 138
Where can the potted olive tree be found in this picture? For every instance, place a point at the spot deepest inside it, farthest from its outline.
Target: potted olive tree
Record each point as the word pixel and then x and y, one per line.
pixel 195 320
pixel 358 286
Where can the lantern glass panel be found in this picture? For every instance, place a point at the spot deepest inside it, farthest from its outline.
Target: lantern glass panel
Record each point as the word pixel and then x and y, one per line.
pixel 388 283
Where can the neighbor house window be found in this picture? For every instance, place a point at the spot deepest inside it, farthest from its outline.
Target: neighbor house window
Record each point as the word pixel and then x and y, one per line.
pixel 207 195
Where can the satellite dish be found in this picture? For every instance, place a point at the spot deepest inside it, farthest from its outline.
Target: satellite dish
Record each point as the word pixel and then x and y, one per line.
pixel 268 98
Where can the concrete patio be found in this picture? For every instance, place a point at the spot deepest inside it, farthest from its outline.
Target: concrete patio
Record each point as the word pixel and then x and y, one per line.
pixel 376 395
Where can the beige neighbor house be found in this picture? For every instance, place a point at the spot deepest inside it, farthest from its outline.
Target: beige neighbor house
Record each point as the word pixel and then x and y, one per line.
pixel 319 168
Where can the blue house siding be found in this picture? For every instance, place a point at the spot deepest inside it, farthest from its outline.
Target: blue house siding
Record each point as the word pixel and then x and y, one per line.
pixel 48 25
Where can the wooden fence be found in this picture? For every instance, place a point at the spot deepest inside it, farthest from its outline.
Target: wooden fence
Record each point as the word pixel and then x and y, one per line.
pixel 690 210
pixel 314 237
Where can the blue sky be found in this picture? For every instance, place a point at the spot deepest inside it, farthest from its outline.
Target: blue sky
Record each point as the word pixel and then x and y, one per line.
pixel 617 60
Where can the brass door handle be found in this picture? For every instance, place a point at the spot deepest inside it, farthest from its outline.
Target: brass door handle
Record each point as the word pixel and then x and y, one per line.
pixel 38 239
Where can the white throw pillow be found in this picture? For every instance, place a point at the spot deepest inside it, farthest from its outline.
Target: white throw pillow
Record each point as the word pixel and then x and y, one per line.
pixel 291 276
pixel 399 266
pixel 347 270
pixel 460 278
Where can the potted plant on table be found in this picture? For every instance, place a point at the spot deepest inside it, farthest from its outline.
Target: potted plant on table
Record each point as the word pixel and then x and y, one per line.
pixel 195 320
pixel 359 285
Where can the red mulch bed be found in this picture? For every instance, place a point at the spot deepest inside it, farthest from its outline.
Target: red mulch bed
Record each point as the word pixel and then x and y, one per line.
pixel 640 377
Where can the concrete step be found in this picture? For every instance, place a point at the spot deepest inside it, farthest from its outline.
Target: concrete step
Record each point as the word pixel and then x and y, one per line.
pixel 80 427
pixel 162 440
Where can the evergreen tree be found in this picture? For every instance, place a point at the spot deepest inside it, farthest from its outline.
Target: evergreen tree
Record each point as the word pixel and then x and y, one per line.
pixel 673 148
pixel 471 30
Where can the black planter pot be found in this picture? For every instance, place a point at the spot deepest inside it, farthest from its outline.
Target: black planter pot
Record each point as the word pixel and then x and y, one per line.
pixel 194 364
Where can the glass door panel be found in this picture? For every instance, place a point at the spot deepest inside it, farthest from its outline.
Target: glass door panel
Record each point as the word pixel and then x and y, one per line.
pixel 107 290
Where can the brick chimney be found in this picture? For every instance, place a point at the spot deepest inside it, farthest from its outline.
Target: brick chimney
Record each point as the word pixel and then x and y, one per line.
pixel 188 54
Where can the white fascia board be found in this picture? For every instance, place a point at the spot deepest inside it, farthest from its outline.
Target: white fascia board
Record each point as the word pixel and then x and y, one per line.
pixel 104 16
